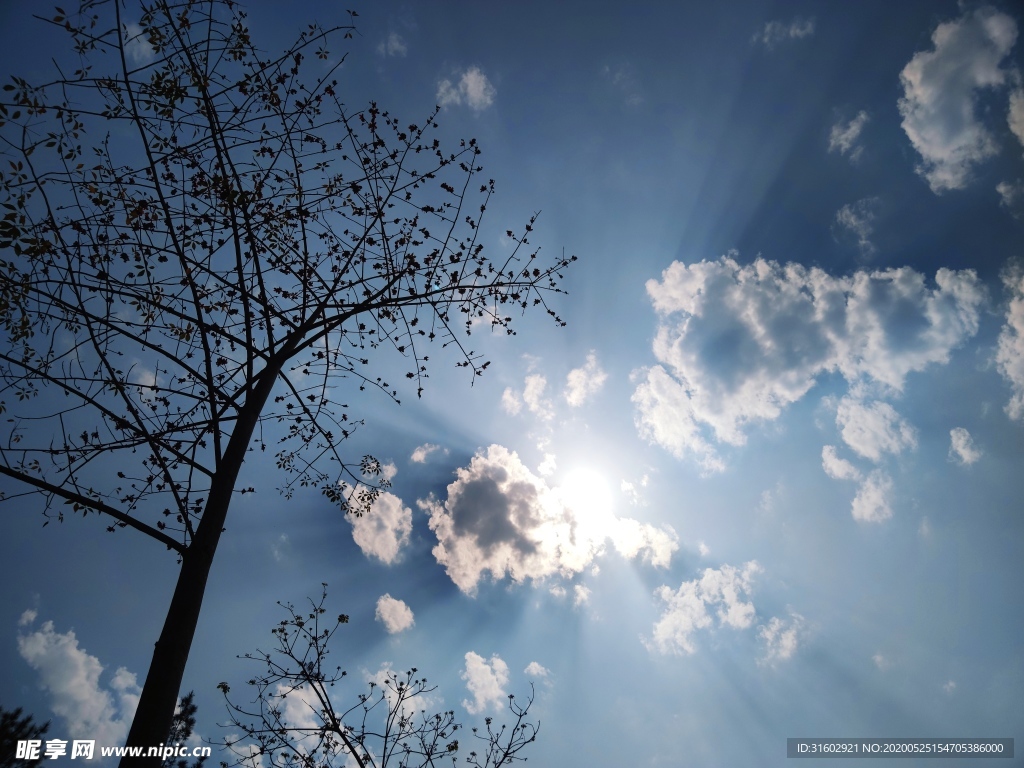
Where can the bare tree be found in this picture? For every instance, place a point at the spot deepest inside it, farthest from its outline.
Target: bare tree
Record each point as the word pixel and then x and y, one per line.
pixel 199 246
pixel 296 718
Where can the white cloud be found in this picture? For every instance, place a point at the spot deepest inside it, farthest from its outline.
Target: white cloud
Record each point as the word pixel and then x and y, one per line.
pixel 624 80
pixel 880 661
pixel 632 538
pixel 837 468
pixel 858 219
pixel 1010 347
pixel 781 638
pixel 873 429
pixel 582 382
pixel 703 549
pixel 422 452
pixel 136 46
pixel 384 529
pixel 776 32
pixel 1011 196
pixel 71 676
pixel 28 617
pixel 393 45
pixel 533 396
pixel 843 136
pixel 281 548
pixel 581 595
pixel 924 528
pixel 548 465
pixel 686 609
pixel 485 680
pixel 872 504
pixel 940 90
pixel 949 686
pixel 510 402
pixel 501 518
pixel 472 88
pixel 395 614
pixel 961 446
pixel 1015 114
pixel 534 669
pixel 737 344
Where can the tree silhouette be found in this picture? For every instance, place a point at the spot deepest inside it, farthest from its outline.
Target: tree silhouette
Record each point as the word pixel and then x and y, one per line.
pixel 15 727
pixel 297 720
pixel 199 247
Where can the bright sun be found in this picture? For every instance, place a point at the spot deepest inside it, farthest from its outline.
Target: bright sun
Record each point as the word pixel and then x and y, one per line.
pixel 586 493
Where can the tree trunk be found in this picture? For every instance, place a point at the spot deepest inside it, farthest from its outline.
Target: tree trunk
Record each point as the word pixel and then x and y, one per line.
pixel 152 723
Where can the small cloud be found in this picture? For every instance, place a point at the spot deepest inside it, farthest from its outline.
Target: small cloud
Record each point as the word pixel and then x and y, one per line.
pixel 961 447
pixel 858 219
pixel 485 680
pixel 924 528
pixel 136 45
pixel 873 428
pixel 837 468
pixel 558 591
pixel 583 382
pixel 533 669
pixel 702 549
pixel 581 595
pixel 873 504
pixel 1015 114
pixel 548 466
pixel 776 32
pixel 384 529
pixel 280 548
pixel 472 89
pixel 393 45
pixel 422 452
pixel 27 617
pixel 881 662
pixel 395 614
pixel 1011 196
pixel 949 686
pixel 624 80
pixel 843 136
pixel 781 638
pixel 533 396
pixel 510 402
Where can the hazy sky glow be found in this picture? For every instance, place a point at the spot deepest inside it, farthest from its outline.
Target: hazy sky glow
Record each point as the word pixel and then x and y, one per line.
pixel 766 483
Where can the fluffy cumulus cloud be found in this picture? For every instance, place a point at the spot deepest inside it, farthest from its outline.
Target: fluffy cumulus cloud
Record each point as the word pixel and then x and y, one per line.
pixel 137 47
pixel 71 677
pixel 940 90
pixel 844 138
pixel 858 219
pixel 486 682
pixel 873 502
pixel 1010 349
pixel 738 343
pixel 776 32
pixel 394 614
pixel 471 88
pixel 500 518
pixel 873 428
pixel 384 530
pixel 781 638
pixel 533 397
pixel 583 382
pixel 962 448
pixel 725 591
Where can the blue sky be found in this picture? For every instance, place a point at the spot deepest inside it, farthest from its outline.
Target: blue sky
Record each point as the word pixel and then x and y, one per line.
pixel 766 483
